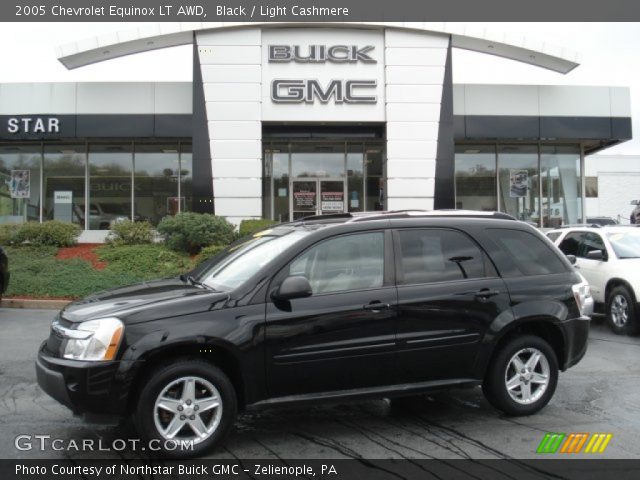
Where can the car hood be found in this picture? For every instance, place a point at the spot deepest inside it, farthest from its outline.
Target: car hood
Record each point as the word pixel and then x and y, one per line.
pixel 143 301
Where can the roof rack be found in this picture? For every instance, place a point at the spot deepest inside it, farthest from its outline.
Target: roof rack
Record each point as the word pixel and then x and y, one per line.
pixel 578 225
pixel 389 214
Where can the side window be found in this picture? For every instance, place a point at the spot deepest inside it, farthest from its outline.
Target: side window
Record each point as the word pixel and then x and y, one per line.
pixel 530 254
pixel 571 243
pixel 340 264
pixel 590 242
pixel 438 256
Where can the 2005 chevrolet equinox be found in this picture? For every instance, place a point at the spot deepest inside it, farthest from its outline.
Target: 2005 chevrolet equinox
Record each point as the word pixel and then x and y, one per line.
pixel 326 308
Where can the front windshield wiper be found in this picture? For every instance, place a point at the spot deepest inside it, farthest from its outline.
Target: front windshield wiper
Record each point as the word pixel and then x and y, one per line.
pixel 192 280
pixel 624 258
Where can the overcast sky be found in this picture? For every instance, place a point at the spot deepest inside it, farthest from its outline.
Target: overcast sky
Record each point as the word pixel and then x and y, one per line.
pixel 609 55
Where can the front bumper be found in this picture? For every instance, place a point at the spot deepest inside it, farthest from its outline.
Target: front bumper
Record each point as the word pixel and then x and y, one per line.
pixel 576 336
pixel 84 387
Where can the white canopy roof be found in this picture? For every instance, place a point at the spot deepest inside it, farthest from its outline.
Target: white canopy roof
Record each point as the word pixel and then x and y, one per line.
pixel 163 35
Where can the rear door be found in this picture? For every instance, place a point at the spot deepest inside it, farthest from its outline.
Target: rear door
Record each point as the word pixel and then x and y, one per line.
pixel 448 294
pixel 342 336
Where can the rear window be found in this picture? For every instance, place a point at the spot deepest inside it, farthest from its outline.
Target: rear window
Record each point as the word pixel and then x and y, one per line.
pixel 529 254
pixel 553 236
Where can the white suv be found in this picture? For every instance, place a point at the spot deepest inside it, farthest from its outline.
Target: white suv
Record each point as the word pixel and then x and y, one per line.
pixel 609 258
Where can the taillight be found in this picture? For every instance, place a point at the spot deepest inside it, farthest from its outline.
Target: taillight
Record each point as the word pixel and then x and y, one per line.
pixel 584 300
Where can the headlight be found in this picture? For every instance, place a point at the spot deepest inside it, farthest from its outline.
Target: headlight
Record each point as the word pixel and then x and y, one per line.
pixel 94 340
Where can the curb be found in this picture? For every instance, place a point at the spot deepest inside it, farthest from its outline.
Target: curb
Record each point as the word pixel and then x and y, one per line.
pixel 34 303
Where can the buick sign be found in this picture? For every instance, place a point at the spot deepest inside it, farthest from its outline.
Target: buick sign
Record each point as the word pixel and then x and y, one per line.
pixel 320 54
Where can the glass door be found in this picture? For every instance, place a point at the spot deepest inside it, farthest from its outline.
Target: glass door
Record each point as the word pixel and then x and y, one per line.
pixel 315 196
pixel 331 196
pixel 304 198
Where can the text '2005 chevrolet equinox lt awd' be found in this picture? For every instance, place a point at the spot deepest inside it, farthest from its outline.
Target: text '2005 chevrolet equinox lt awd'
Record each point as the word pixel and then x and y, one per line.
pixel 326 308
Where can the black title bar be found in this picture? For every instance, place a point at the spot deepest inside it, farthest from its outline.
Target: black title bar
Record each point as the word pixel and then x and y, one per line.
pixel 317 10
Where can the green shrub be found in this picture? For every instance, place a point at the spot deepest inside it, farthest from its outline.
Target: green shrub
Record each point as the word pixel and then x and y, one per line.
pixel 249 227
pixel 145 262
pixel 8 232
pixel 208 252
pixel 36 272
pixel 53 233
pixel 190 232
pixel 127 232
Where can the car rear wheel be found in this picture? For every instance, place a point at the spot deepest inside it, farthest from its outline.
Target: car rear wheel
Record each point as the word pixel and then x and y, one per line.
pixel 621 312
pixel 186 408
pixel 522 377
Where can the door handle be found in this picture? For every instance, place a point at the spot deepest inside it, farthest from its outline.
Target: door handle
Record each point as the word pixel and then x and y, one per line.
pixel 486 293
pixel 376 306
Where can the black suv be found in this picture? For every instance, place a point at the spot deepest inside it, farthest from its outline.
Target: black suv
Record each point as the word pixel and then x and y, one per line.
pixel 323 309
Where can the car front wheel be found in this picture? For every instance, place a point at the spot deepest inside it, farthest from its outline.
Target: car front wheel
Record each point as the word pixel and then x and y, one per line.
pixel 186 408
pixel 522 376
pixel 621 312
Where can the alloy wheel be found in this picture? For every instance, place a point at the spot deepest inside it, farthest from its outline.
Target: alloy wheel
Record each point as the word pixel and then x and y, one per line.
pixel 527 376
pixel 619 310
pixel 188 409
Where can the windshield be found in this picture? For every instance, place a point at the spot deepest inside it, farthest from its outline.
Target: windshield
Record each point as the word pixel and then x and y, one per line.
pixel 244 260
pixel 625 244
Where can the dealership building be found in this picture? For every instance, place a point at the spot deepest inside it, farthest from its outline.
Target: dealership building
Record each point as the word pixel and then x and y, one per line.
pixel 283 121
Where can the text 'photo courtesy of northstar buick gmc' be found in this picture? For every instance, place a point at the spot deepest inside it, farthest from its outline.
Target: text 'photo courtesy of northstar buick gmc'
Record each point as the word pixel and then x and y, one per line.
pixel 325 309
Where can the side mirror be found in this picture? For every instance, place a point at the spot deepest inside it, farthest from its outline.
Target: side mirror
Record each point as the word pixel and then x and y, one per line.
pixel 595 255
pixel 635 202
pixel 572 259
pixel 293 287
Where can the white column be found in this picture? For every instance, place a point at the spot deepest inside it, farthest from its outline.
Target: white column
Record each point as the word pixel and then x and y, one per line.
pixel 415 64
pixel 231 76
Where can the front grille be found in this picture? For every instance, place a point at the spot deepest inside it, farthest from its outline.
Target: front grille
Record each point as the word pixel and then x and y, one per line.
pixel 54 342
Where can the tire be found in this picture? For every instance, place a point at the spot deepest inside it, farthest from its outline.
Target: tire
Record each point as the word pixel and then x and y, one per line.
pixel 621 312
pixel 514 401
pixel 170 381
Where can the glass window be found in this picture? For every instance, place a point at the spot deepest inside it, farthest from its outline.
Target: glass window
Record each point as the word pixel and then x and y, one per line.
pixel 430 256
pixel 591 187
pixel 109 184
pixel 518 181
pixel 64 183
pixel 317 160
pixel 156 182
pixel 355 178
pixel 561 192
pixel 553 236
pixel 240 262
pixel 591 242
pixel 571 243
pixel 186 178
pixel 375 184
pixel 625 244
pixel 276 182
pixel 348 262
pixel 20 183
pixel 476 177
pixel 529 254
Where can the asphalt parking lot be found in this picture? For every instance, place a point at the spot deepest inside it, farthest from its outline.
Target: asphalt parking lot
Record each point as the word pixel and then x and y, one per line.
pixel 600 394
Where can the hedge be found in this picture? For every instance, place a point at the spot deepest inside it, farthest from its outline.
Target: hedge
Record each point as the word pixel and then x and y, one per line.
pixel 191 232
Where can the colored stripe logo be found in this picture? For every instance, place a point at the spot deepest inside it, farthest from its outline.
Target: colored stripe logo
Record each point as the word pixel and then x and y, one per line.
pixel 574 443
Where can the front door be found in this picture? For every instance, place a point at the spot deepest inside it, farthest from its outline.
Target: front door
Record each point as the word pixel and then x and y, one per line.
pixel 342 337
pixel 316 196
